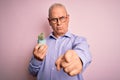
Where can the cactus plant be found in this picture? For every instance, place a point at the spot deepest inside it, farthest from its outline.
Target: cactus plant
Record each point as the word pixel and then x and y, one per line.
pixel 41 38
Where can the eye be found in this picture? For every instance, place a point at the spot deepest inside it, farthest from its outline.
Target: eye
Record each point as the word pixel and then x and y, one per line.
pixel 62 18
pixel 53 19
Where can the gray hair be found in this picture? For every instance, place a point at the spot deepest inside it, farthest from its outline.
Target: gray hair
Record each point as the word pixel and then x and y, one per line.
pixel 56 5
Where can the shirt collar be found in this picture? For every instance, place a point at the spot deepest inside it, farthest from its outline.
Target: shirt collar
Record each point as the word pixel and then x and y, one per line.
pixel 67 34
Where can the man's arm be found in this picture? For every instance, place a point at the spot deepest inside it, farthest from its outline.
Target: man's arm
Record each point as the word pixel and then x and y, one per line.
pixel 76 60
pixel 34 66
pixel 36 62
pixel 81 47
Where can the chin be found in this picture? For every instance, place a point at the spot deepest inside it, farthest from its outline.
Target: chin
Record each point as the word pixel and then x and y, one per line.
pixel 61 32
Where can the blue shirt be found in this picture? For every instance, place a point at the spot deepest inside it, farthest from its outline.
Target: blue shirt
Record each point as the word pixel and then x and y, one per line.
pixel 46 69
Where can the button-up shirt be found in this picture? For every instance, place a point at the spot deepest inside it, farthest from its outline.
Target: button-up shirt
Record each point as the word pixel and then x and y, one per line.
pixel 46 69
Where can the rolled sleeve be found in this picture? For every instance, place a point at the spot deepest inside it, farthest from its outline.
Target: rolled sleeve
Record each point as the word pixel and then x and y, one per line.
pixel 34 66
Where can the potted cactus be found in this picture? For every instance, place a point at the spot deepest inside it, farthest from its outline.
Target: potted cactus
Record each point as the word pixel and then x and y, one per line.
pixel 41 39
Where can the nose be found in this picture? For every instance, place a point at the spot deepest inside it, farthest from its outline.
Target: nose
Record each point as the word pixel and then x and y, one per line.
pixel 58 22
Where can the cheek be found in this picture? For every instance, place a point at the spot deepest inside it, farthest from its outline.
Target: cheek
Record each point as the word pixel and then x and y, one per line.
pixel 53 27
pixel 66 26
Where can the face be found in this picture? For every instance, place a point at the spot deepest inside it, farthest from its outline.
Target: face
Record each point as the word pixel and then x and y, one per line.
pixel 59 20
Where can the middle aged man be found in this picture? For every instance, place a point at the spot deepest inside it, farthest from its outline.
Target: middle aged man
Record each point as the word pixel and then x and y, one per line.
pixel 65 55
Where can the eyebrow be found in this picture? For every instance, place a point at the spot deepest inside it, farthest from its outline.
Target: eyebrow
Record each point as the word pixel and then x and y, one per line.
pixel 58 17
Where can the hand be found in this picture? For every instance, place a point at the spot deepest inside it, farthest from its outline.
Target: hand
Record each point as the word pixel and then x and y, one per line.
pixel 40 51
pixel 70 62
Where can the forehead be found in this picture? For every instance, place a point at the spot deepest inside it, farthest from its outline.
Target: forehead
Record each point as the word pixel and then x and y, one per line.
pixel 58 11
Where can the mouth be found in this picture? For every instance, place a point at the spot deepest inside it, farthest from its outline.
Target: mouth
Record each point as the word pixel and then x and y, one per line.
pixel 59 28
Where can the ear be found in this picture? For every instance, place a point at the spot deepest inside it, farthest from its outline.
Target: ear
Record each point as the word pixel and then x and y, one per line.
pixel 68 16
pixel 49 21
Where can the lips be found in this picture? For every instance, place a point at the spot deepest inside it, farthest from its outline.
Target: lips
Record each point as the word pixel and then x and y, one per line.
pixel 59 28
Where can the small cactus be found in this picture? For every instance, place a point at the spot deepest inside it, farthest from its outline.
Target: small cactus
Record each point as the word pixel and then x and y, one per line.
pixel 41 38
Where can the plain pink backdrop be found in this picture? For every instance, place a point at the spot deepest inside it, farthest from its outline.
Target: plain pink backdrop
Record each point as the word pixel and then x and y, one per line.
pixel 97 20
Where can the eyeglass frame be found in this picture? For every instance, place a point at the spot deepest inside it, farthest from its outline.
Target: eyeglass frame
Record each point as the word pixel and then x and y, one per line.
pixel 58 19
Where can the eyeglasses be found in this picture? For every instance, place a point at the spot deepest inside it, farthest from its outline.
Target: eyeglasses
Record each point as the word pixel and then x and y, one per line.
pixel 55 20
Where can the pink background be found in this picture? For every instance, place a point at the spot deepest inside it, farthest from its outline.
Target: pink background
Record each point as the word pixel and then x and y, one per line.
pixel 22 20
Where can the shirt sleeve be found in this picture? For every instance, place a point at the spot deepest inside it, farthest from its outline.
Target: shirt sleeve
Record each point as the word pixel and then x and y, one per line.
pixel 81 47
pixel 34 66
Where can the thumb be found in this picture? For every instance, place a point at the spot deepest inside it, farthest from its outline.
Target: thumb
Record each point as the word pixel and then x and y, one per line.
pixel 68 56
pixel 58 63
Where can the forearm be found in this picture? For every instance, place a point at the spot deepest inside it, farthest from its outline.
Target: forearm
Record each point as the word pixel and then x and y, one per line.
pixel 85 58
pixel 81 47
pixel 34 66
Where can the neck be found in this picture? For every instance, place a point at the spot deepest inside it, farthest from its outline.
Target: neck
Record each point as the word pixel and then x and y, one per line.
pixel 58 35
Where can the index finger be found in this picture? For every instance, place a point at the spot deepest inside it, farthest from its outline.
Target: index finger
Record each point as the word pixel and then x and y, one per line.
pixel 58 63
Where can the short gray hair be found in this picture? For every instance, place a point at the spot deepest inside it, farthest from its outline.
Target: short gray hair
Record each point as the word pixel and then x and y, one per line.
pixel 56 5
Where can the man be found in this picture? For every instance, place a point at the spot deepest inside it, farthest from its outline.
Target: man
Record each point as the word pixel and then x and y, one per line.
pixel 65 55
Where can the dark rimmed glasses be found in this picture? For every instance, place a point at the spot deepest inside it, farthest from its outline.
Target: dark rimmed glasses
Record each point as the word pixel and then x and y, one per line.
pixel 61 19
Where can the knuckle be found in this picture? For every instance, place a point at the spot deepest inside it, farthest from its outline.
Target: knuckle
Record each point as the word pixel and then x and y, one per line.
pixel 66 70
pixel 35 53
pixel 63 64
pixel 71 74
pixel 41 57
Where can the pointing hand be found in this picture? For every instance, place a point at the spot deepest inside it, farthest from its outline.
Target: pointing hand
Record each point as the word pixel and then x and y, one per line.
pixel 70 62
